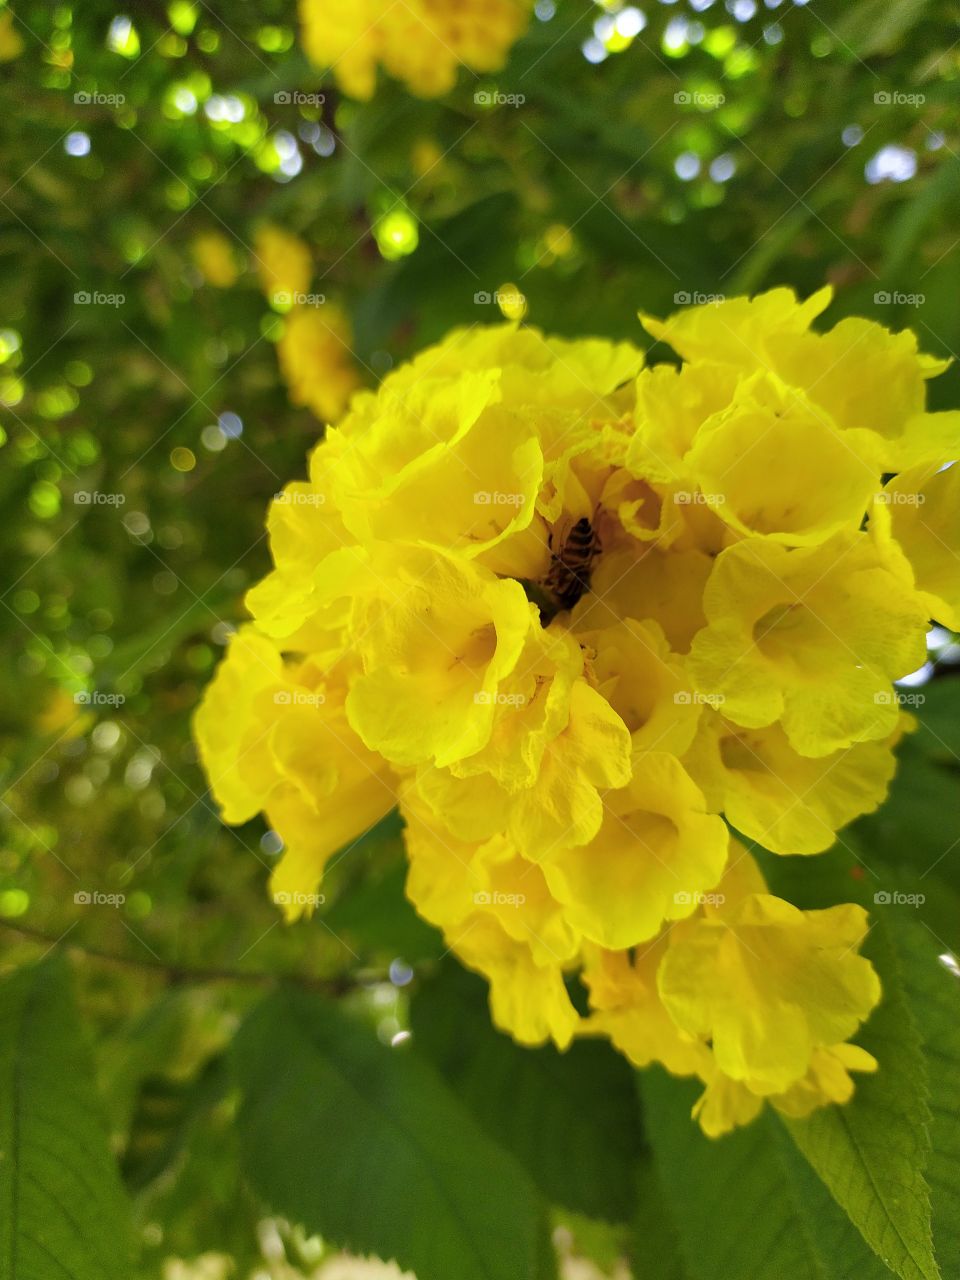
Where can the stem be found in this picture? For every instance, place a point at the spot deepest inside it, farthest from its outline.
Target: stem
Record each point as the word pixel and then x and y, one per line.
pixel 336 986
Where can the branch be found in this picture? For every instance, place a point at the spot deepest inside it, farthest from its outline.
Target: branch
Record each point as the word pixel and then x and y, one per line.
pixel 336 986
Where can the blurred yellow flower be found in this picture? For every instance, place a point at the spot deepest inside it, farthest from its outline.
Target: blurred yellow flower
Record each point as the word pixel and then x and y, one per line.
pixel 216 259
pixel 284 265
pixel 316 360
pixel 11 41
pixel 420 42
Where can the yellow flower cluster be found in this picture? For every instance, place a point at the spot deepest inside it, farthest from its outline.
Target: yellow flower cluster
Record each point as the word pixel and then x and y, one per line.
pixel 423 43
pixel 580 618
pixel 314 349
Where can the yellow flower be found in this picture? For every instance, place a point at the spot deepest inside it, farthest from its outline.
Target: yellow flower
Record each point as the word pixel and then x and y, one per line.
pixel 627 1007
pixel 444 460
pixel 811 637
pixel 769 985
pixel 746 459
pixel 563 804
pixel 657 850
pixel 574 618
pixel 787 802
pixel 862 378
pixel 632 665
pixel 918 515
pixel 435 638
pixel 742 332
pixel 284 264
pixel 497 914
pixel 316 360
pixel 216 259
pixel 420 42
pixel 274 736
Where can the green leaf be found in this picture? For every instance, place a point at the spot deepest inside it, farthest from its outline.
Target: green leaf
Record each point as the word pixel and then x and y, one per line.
pixel 879 26
pixel 934 994
pixel 871 1153
pixel 654 1243
pixel 570 1118
pixel 746 1206
pixel 368 1147
pixel 63 1211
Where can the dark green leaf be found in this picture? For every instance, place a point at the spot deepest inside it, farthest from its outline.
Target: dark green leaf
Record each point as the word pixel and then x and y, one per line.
pixel 570 1118
pixel 62 1211
pixel 872 1152
pixel 745 1206
pixel 367 1146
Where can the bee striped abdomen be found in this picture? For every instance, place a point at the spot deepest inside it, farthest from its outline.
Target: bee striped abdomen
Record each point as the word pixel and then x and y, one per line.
pixel 572 561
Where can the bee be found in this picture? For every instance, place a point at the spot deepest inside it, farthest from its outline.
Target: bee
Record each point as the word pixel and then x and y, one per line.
pixel 573 549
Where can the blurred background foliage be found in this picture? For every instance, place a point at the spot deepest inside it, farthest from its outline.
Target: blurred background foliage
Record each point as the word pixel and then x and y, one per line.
pixel 627 157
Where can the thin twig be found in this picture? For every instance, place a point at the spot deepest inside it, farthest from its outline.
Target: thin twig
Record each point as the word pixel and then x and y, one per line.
pixel 336 986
